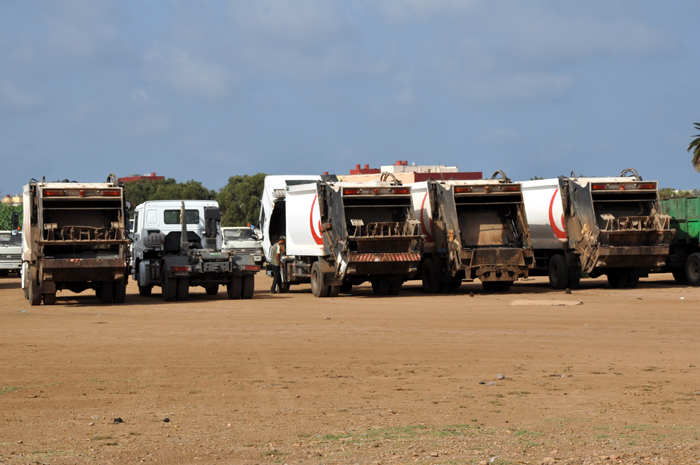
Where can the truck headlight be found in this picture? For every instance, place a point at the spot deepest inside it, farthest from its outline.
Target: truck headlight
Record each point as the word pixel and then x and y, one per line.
pixel 258 252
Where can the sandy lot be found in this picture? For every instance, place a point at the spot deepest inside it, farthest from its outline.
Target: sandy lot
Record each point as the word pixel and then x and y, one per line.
pixel 355 379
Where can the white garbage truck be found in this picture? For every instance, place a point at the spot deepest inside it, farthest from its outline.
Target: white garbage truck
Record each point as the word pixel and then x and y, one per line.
pixel 341 234
pixel 74 237
pixel 473 229
pixel 177 245
pixel 592 226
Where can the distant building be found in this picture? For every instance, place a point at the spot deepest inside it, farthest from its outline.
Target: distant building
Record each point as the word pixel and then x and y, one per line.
pixel 408 174
pixel 12 200
pixel 137 177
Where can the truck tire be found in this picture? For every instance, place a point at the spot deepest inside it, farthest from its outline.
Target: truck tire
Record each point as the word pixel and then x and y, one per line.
pixel 50 298
pixel 505 286
pixel 248 287
pixel 284 288
pixel 212 289
pixel 235 287
pixel 145 291
pixel 692 269
pixel 183 288
pixel 381 286
pixel 4 273
pixel 618 278
pixel 334 291
pixel 106 292
pixel 318 287
pixel 558 272
pixel 346 288
pixel 34 293
pixel 431 284
pixel 119 292
pixel 169 287
pixel 632 279
pixel 491 287
pixel 679 276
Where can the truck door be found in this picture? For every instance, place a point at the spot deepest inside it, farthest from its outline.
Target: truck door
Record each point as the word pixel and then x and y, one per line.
pixel 581 226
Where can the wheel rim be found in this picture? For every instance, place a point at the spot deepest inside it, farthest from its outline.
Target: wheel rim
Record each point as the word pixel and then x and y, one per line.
pixel 694 270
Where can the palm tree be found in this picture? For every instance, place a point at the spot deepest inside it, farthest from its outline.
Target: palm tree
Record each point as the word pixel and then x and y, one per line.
pixel 695 147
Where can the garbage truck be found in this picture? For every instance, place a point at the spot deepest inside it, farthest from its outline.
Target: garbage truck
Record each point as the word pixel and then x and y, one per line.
pixel 341 234
pixel 177 245
pixel 75 238
pixel 684 258
pixel 473 229
pixel 593 226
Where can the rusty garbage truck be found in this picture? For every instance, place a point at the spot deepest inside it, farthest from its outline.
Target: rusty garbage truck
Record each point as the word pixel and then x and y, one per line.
pixel 74 237
pixel 474 229
pixel 341 234
pixel 593 226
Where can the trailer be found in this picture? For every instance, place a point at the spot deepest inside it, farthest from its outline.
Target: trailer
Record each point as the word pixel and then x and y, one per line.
pixel 473 229
pixel 177 245
pixel 684 258
pixel 592 226
pixel 75 238
pixel 343 234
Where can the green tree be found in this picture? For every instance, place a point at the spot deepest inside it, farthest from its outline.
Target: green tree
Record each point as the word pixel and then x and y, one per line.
pixel 695 147
pixel 6 212
pixel 240 199
pixel 140 191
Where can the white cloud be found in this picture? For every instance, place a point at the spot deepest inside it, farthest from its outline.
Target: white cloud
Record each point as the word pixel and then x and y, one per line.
pixel 175 67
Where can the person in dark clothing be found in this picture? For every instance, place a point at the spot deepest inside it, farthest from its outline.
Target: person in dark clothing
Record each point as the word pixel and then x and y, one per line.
pixel 276 252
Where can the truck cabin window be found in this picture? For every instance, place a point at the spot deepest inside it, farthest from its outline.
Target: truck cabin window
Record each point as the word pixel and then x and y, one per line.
pixel 173 216
pixel 239 235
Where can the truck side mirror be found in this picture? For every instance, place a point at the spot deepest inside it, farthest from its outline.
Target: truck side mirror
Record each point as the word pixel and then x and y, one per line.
pixel 15 222
pixel 212 216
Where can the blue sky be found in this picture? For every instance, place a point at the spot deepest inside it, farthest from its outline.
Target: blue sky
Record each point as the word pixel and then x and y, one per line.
pixel 206 90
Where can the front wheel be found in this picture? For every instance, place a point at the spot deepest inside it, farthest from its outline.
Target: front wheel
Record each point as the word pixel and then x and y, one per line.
pixel 692 269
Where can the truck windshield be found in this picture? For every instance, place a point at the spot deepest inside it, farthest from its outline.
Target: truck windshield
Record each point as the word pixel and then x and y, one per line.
pixel 173 216
pixel 239 235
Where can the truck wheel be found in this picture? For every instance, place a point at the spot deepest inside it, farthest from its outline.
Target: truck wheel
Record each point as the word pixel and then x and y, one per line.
pixel 679 276
pixel 106 292
pixel 212 290
pixel 235 287
pixel 381 286
pixel 34 293
pixel 169 289
pixel 50 299
pixel 632 279
pixel 491 287
pixel 452 285
pixel 334 291
pixel 345 288
pixel 618 278
pixel 505 286
pixel 558 272
pixel 145 291
pixel 318 287
pixel 574 282
pixel 429 277
pixel 692 269
pixel 284 288
pixel 119 292
pixel 4 273
pixel 248 286
pixel 183 288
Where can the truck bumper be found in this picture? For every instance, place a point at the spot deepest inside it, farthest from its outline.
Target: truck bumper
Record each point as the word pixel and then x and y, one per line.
pixel 632 257
pixel 382 263
pixel 496 264
pixel 82 269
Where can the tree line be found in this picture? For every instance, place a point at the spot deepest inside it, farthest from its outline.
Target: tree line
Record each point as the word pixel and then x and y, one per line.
pixel 239 199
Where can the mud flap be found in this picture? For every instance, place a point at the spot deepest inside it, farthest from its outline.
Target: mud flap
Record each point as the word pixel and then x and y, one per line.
pixel 581 226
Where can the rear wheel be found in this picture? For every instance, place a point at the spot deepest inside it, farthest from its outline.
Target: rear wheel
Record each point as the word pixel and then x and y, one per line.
pixel 334 291
pixel 119 292
pixel 248 286
pixel 491 287
pixel 34 292
pixel 429 277
pixel 284 288
pixel 183 288
pixel 50 299
pixel 234 288
pixel 632 279
pixel 212 290
pixel 505 286
pixel 618 278
pixel 106 292
pixel 692 269
pixel 395 283
pixel 345 288
pixel 558 272
pixel 318 286
pixel 169 289
pixel 145 291
pixel 679 276
pixel 381 286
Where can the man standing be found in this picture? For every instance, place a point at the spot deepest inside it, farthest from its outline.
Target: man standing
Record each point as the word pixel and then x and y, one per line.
pixel 275 252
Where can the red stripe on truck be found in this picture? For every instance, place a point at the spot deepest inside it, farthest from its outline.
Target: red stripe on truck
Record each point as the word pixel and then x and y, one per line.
pixel 384 257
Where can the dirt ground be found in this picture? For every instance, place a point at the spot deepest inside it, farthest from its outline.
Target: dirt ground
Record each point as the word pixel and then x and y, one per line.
pixel 355 379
